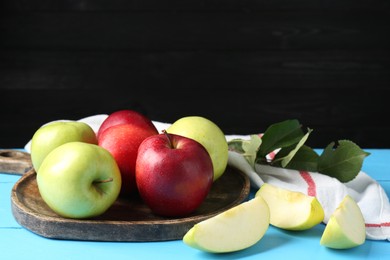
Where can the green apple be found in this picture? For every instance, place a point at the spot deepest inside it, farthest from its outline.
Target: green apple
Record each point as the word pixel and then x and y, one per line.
pixel 54 134
pixel 209 135
pixel 232 230
pixel 346 227
pixel 79 180
pixel 291 210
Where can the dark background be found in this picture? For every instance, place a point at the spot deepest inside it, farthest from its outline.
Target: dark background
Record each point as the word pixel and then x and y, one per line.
pixel 243 64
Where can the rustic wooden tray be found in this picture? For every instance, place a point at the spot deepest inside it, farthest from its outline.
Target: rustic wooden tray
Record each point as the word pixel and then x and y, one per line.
pixel 14 161
pixel 126 220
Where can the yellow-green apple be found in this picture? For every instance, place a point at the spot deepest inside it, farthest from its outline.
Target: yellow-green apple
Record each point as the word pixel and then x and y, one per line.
pixel 126 116
pixel 79 180
pixel 232 230
pixel 346 227
pixel 209 134
pixel 54 134
pixel 291 210
pixel 122 141
pixel 174 174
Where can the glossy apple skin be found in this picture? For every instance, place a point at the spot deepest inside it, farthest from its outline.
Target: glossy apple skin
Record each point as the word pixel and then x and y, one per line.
pixel 126 116
pixel 209 135
pixel 54 134
pixel 173 180
pixel 70 180
pixel 122 141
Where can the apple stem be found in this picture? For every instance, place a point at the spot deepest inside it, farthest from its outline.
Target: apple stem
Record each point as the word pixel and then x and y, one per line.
pixel 104 181
pixel 169 138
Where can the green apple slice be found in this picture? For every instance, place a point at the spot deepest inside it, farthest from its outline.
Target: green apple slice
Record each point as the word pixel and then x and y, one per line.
pixel 234 229
pixel 346 227
pixel 291 210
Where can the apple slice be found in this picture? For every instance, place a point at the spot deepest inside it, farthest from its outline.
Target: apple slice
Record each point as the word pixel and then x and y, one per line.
pixel 346 227
pixel 291 210
pixel 234 229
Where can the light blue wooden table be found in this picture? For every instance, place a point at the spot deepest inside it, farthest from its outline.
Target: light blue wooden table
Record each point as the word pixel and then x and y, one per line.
pixel 16 242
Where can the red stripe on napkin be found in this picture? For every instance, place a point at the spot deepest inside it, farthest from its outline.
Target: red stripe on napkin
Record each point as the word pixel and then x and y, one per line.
pixel 311 185
pixel 271 155
pixel 386 224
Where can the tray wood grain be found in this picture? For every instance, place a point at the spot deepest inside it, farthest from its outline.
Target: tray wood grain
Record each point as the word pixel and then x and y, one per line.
pixel 126 220
pixel 14 161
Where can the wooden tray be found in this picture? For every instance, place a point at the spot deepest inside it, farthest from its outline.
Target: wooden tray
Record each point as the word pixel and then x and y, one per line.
pixel 126 220
pixel 14 161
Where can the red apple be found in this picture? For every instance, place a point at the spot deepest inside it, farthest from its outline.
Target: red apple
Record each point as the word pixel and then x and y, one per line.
pixel 126 116
pixel 122 141
pixel 173 174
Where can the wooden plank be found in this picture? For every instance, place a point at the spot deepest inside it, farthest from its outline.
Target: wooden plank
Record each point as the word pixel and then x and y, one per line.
pixel 264 69
pixel 191 5
pixel 307 59
pixel 200 31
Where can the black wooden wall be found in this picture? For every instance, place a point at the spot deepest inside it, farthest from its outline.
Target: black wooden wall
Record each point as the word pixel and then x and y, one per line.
pixel 243 63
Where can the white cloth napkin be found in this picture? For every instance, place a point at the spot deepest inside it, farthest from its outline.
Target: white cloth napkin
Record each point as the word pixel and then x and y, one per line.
pixel 368 193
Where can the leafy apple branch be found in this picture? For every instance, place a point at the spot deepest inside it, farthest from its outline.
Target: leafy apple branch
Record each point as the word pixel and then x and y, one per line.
pixel 342 159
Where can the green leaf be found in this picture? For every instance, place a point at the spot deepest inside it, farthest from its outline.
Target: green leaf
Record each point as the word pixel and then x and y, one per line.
pixel 287 158
pixel 279 135
pixel 343 162
pixel 305 159
pixel 248 148
pixel 251 149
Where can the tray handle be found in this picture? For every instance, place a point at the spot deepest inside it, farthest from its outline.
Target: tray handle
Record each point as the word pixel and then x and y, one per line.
pixel 14 162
